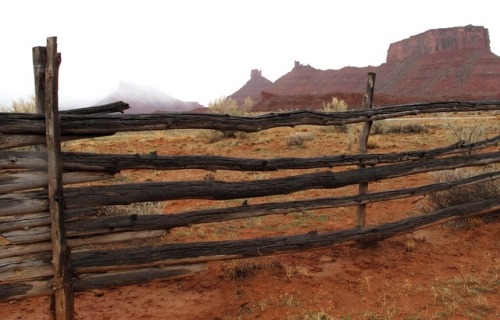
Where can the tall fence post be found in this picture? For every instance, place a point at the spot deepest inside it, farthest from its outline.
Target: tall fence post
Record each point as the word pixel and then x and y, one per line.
pixel 61 261
pixel 363 146
pixel 39 65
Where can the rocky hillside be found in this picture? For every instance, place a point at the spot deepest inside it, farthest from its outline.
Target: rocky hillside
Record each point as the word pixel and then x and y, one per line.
pixel 253 88
pixel 439 64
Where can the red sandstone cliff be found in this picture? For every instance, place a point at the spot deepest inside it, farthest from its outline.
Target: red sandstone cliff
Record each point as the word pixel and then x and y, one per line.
pixel 438 40
pixel 252 88
pixel 441 64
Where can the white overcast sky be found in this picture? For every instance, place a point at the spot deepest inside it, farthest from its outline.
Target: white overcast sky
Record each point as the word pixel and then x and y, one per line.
pixel 199 50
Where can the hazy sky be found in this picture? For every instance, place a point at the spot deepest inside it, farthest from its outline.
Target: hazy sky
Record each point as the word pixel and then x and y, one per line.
pixel 199 50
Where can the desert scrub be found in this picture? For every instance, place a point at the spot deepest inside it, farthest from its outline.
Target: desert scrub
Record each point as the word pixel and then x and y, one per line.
pixel 462 195
pixel 465 132
pixel 20 106
pixel 229 106
pixel 139 208
pixel 298 139
pixel 381 127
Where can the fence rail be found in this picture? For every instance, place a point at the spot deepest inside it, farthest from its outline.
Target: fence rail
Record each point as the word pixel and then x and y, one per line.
pixel 27 214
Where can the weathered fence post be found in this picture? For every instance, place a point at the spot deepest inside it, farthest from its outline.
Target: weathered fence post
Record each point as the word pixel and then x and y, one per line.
pixel 61 261
pixel 363 142
pixel 39 64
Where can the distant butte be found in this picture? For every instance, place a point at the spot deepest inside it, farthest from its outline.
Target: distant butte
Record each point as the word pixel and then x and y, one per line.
pixel 253 88
pixel 439 64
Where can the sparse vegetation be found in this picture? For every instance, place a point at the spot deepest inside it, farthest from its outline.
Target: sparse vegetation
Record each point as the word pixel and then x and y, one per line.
pixel 139 208
pixel 317 316
pixel 466 296
pixel 225 105
pixel 21 106
pixel 298 139
pixel 464 132
pixel 336 105
pixel 382 127
pixel 462 195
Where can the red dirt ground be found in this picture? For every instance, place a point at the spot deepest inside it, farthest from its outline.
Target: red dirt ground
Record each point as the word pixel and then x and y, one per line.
pixel 434 273
pixel 382 282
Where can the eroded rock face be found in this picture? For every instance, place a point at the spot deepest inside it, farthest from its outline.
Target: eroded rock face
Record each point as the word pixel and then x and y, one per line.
pixel 441 64
pixel 252 88
pixel 438 40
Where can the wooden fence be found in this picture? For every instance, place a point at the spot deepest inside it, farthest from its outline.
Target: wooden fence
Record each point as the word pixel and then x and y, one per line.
pixel 43 225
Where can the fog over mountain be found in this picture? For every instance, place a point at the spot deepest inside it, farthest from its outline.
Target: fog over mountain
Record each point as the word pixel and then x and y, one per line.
pixel 147 99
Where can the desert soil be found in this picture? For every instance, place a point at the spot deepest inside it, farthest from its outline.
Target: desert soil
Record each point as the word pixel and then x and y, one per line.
pixel 439 272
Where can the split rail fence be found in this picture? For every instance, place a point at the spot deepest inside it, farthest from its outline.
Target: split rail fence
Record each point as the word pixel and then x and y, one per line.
pixel 43 224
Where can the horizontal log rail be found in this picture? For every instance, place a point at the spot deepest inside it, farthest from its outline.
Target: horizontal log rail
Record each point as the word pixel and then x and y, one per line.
pixel 15 123
pixel 166 222
pixel 116 162
pixel 89 225
pixel 43 287
pixel 22 140
pixel 81 197
pixel 19 181
pixel 25 263
pixel 14 250
pixel 140 258
pixel 171 254
pixel 113 107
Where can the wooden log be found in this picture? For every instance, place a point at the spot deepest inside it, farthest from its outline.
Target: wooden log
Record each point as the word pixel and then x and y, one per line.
pixel 19 181
pixel 93 196
pixel 38 265
pixel 186 253
pixel 136 222
pixel 23 221
pixel 167 222
pixel 11 250
pixel 39 247
pixel 363 146
pixel 23 203
pixel 30 235
pixel 28 289
pixel 24 268
pixel 13 123
pixel 21 140
pixel 149 257
pixel 117 162
pixel 39 64
pixel 27 221
pixel 218 190
pixel 113 107
pixel 61 259
pixel 123 278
